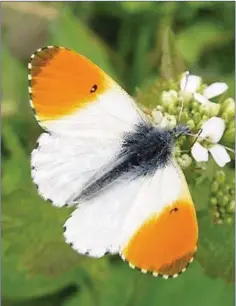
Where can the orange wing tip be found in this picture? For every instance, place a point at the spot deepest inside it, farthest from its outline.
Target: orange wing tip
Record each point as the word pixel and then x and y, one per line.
pixel 156 273
pixel 47 47
pixel 53 77
pixel 30 66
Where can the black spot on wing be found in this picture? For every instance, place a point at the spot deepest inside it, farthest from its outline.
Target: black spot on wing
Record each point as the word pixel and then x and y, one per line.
pixel 94 88
pixel 175 209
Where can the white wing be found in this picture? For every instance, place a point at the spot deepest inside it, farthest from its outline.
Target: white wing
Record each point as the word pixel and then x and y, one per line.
pixel 109 221
pixel 85 128
pixel 94 227
pixel 62 165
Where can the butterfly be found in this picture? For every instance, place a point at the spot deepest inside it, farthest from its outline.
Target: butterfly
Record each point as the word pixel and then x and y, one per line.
pixel 100 153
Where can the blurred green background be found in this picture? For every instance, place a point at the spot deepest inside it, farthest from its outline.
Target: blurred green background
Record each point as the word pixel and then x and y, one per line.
pixel 135 43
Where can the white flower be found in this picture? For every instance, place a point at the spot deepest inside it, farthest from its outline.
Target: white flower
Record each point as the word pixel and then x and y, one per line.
pixel 191 84
pixel 212 130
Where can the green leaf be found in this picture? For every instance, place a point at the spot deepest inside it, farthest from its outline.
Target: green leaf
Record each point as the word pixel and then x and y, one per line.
pixel 171 62
pixel 55 299
pixel 200 187
pixel 35 258
pixel 136 7
pixel 70 32
pixel 216 248
pixel 15 170
pixel 14 82
pixel 192 41
pixel 124 286
pixel 139 67
pixel 200 194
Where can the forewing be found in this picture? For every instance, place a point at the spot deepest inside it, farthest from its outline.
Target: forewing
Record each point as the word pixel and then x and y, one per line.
pixel 62 165
pixel 85 114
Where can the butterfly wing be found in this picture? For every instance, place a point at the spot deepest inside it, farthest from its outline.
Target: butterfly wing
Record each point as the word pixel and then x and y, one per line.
pixel 148 220
pixel 85 114
pixel 94 227
pixel 160 232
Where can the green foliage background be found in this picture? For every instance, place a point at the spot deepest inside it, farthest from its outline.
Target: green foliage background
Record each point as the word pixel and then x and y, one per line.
pixel 135 43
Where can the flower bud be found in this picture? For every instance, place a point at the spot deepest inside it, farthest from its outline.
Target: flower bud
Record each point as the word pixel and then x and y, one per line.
pixel 191 124
pixel 219 195
pixel 202 110
pixel 211 109
pixel 229 102
pixel 224 200
pixel 227 188
pixel 177 151
pixel 157 116
pixel 230 109
pixel 214 187
pixel 231 125
pixel 169 97
pixel 160 108
pixel 216 214
pixel 186 96
pixel 213 201
pixel 195 106
pixel 185 161
pixel 225 116
pixel 168 121
pixel 231 206
pixel 222 210
pixel 220 176
pixel 228 137
pixel 184 116
pixel 172 109
pixel 200 123
pixel 205 117
pixel 197 117
pixel 214 109
pixel 229 220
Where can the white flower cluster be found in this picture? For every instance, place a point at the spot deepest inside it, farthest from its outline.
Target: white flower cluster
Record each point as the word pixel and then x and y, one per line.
pixel 211 127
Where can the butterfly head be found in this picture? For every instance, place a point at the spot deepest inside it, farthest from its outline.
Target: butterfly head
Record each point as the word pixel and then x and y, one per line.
pixel 180 129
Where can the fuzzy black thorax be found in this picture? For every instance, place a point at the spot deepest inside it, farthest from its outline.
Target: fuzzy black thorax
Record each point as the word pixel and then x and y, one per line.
pixel 143 151
pixel 147 148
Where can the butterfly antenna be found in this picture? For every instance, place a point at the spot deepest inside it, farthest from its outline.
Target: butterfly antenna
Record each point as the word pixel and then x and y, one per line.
pixel 198 135
pixel 182 99
pixel 196 138
pixel 229 149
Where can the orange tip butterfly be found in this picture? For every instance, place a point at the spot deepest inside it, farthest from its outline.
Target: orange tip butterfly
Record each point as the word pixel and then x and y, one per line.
pixel 100 153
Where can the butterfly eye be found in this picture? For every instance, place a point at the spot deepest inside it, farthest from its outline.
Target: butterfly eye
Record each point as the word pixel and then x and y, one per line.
pixel 94 88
